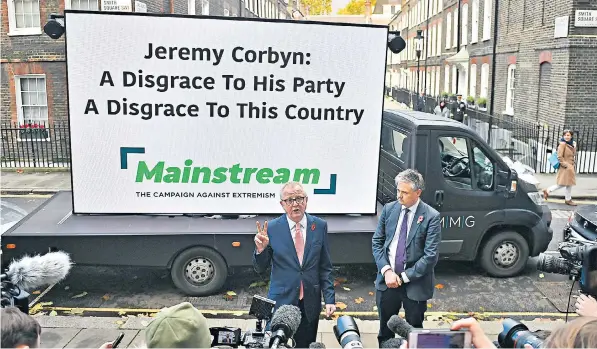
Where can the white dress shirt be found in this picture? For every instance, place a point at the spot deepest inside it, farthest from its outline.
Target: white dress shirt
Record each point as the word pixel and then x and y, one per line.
pixel 292 227
pixel 394 244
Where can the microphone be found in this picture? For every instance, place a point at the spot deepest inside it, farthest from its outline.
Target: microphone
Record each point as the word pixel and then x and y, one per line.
pixel 399 326
pixel 393 343
pixel 33 272
pixel 316 345
pixel 284 324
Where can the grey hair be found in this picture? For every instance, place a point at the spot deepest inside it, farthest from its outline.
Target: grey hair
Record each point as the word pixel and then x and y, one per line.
pixel 293 185
pixel 413 177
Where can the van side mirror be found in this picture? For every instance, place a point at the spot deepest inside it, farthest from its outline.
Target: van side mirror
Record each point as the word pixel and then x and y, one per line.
pixel 507 183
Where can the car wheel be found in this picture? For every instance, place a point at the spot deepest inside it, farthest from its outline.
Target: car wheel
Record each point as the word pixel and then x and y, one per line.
pixel 199 271
pixel 505 254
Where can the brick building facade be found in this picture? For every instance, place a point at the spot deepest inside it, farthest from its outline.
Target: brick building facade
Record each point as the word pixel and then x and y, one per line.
pixel 544 72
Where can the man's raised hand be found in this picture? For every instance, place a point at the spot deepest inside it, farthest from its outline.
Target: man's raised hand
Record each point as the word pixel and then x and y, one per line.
pixel 261 239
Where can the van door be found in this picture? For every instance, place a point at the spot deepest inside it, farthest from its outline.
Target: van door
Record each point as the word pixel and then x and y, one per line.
pixel 463 187
pixel 394 157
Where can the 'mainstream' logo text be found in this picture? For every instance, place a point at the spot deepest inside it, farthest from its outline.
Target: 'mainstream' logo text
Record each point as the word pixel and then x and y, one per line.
pixel 235 174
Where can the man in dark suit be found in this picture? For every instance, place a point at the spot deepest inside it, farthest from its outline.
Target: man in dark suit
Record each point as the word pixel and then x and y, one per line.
pixel 405 248
pixel 296 246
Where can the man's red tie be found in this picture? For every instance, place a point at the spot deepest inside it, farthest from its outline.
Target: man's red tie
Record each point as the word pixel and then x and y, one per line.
pixel 300 249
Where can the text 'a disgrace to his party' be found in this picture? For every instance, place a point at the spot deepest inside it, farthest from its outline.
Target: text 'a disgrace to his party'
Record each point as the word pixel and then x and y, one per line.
pixel 248 110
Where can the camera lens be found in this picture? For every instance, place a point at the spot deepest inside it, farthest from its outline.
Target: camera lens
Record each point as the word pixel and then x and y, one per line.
pixel 554 265
pixel 516 335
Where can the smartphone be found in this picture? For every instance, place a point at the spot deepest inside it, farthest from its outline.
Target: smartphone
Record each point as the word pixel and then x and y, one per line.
pixel 440 338
pixel 118 340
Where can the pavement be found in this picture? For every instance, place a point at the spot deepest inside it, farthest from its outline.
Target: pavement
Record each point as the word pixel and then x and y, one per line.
pixel 91 332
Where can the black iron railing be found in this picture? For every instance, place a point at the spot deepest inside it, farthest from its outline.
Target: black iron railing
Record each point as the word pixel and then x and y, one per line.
pixel 530 143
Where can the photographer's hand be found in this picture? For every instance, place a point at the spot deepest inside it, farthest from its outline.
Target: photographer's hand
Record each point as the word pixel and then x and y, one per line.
pixel 586 306
pixel 479 339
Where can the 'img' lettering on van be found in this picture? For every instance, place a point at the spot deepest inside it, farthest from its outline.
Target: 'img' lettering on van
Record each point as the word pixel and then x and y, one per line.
pixel 458 221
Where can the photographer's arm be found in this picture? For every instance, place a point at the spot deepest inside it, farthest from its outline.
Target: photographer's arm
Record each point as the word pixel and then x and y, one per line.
pixel 479 338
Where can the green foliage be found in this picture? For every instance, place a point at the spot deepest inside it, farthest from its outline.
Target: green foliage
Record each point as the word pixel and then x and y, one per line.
pixel 355 7
pixel 318 7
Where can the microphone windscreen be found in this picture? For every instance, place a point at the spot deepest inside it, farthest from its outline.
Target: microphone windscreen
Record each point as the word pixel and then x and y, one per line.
pixel 392 343
pixel 33 272
pixel 286 316
pixel 399 326
pixel 316 345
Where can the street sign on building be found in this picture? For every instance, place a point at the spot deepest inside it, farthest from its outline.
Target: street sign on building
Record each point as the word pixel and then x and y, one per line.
pixel 166 122
pixel 585 18
pixel 117 5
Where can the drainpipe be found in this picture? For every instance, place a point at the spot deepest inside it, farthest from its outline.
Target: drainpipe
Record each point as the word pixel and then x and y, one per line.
pixel 427 45
pixel 493 67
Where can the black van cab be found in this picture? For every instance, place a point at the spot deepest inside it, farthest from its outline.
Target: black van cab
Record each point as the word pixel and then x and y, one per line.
pixel 488 214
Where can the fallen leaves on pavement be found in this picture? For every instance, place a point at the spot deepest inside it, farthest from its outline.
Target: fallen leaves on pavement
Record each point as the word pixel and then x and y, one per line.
pixel 359 300
pixel 439 286
pixel 229 295
pixel 340 305
pixel 106 297
pixel 80 295
pixel 339 280
pixel 36 292
pixel 346 288
pixel 371 293
pixel 258 284
pixel 53 313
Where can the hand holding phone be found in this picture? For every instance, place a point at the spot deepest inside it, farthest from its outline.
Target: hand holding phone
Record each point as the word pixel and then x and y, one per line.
pixel 439 338
pixel 113 344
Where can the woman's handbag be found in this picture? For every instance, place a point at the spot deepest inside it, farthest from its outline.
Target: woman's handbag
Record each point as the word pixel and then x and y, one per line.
pixel 553 160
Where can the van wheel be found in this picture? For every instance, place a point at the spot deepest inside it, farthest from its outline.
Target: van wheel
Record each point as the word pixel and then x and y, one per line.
pixel 505 254
pixel 199 271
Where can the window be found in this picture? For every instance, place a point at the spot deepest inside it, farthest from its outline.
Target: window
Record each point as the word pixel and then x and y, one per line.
pixel 32 106
pixel 454 74
pixel 475 23
pixel 484 80
pixel 226 12
pixel 510 89
pixel 439 39
pixel 454 158
pixel 447 78
pixel 455 28
pixel 23 17
pixel 191 5
pixel 473 80
pixel 448 30
pixel 205 7
pixel 483 169
pixel 395 143
pixel 486 19
pixel 464 39
pixel 91 5
pixel 437 79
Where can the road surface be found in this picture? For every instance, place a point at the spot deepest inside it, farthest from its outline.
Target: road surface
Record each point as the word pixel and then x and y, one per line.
pixel 461 287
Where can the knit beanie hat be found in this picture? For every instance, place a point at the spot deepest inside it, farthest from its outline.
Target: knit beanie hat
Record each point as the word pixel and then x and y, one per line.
pixel 180 326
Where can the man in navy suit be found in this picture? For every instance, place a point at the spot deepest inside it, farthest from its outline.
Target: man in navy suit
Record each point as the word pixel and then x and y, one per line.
pixel 405 248
pixel 296 246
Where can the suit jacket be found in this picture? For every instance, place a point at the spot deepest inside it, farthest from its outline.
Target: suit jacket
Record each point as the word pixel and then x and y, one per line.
pixel 287 273
pixel 421 250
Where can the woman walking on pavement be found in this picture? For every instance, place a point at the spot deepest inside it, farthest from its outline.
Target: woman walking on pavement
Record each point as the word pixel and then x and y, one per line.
pixel 566 176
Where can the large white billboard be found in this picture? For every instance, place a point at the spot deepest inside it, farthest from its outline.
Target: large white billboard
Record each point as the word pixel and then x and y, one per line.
pixel 181 114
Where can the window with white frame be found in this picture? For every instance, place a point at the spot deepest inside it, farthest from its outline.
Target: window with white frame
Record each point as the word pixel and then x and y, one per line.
pixel 487 19
pixel 205 7
pixel 464 26
pixel 475 23
pixel 432 82
pixel 454 75
pixel 473 83
pixel 441 5
pixel 23 17
pixel 191 7
pixel 32 106
pixel 448 30
pixel 455 28
pixel 439 39
pixel 511 84
pixel 437 80
pixel 484 80
pixel 91 5
pixel 446 78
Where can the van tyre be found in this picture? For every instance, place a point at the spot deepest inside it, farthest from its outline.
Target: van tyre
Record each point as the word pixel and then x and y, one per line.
pixel 199 271
pixel 505 254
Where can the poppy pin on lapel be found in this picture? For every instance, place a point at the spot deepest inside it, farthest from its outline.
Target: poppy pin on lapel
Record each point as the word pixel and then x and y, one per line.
pixel 420 219
pixel 313 227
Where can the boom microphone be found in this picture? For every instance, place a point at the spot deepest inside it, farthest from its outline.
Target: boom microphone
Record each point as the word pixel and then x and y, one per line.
pixel 399 326
pixel 33 272
pixel 285 322
pixel 394 343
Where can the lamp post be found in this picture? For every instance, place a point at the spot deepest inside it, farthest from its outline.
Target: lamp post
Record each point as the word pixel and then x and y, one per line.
pixel 419 49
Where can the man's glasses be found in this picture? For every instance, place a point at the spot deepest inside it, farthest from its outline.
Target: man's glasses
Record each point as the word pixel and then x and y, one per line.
pixel 291 201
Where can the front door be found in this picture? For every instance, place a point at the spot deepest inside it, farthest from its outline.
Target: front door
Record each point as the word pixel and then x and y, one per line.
pixel 462 189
